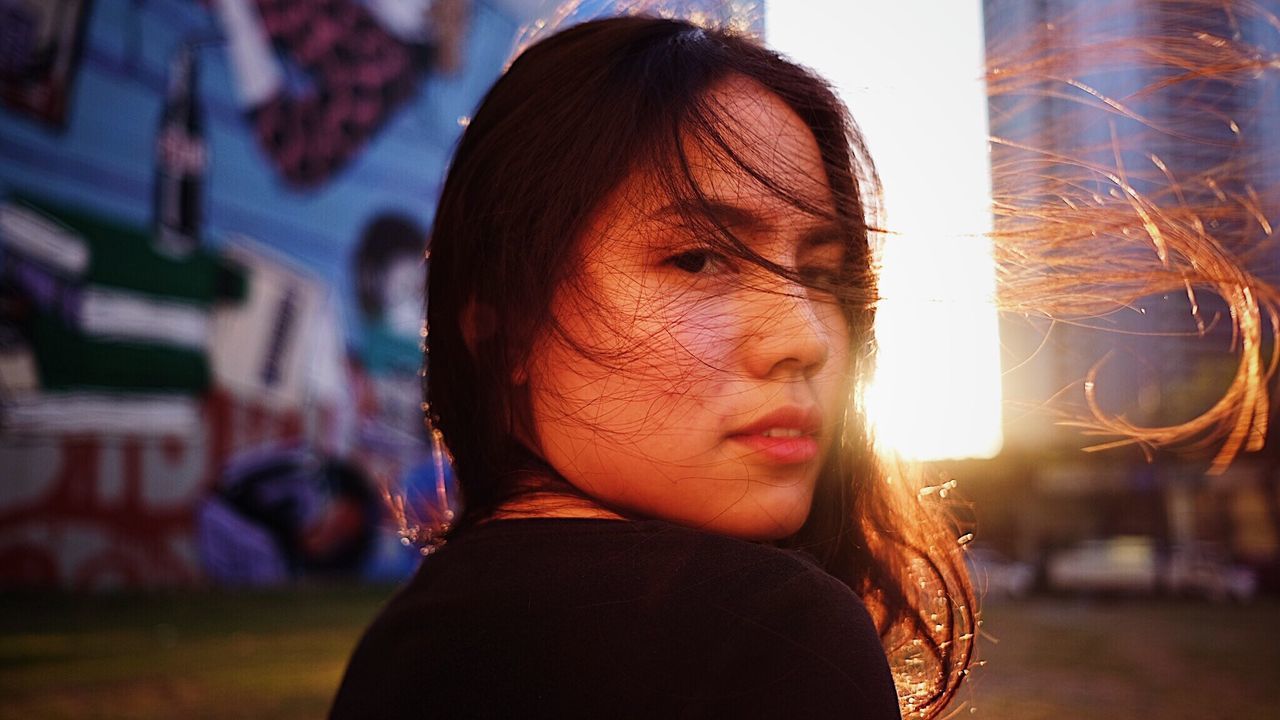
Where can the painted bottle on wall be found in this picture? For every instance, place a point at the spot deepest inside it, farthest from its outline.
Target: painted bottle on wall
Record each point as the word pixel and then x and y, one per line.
pixel 180 159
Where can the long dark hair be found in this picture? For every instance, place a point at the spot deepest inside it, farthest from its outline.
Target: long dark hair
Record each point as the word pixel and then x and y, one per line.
pixel 574 116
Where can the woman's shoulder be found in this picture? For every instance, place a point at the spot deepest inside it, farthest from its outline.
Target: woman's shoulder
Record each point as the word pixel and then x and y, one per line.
pixel 655 582
pixel 559 559
pixel 651 555
pixel 643 612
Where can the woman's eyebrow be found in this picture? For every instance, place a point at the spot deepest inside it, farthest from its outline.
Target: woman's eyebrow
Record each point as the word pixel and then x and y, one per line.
pixel 828 233
pixel 722 213
pixel 746 219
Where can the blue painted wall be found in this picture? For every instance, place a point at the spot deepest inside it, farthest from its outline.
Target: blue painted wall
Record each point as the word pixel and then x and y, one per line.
pixel 103 159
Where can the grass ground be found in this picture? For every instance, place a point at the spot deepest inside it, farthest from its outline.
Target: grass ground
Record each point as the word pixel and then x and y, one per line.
pixel 1051 659
pixel 280 655
pixel 183 655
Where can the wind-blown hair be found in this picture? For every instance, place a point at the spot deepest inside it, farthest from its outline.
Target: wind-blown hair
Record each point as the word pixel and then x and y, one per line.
pixel 573 118
pixel 1134 160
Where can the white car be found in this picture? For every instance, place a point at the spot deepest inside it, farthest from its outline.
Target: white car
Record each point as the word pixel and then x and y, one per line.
pixel 1125 564
pixel 1132 565
pixel 1204 569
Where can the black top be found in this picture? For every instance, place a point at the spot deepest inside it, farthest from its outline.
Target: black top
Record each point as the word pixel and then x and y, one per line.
pixel 604 618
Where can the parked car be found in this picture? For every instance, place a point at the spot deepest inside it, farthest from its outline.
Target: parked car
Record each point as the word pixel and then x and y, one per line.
pixel 1203 569
pixel 1134 565
pixel 995 575
pixel 1126 564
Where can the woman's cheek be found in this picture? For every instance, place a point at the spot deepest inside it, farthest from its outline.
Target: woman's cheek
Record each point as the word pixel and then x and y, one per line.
pixel 655 344
pixel 697 347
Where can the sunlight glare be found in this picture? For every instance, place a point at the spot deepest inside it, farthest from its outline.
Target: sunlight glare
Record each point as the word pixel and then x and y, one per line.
pixel 913 81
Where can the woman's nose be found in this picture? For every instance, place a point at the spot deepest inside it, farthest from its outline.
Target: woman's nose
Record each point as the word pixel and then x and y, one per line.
pixel 788 333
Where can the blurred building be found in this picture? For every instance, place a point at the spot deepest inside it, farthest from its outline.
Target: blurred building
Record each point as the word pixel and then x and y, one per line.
pixel 1141 93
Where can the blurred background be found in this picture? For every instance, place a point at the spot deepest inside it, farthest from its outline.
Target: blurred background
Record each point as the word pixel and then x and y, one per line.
pixel 213 219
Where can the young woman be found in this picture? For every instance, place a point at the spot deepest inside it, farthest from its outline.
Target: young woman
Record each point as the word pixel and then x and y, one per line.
pixel 650 308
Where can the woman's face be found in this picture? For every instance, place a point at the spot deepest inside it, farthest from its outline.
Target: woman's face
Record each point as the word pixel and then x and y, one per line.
pixel 690 386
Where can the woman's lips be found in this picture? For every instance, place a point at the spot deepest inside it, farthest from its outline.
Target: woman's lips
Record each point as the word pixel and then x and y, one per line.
pixel 785 436
pixel 781 450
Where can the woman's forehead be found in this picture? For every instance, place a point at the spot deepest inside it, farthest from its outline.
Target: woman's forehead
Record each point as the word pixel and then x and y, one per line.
pixel 741 151
pixel 748 156
pixel 754 145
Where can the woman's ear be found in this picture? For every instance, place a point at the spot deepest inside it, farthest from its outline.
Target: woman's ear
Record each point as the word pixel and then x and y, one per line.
pixel 479 323
pixel 519 375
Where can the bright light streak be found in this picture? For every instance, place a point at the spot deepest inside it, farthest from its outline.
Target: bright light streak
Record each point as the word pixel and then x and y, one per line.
pixel 911 73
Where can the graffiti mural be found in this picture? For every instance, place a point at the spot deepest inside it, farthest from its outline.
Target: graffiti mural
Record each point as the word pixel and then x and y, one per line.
pixel 212 222
pixel 40 55
pixel 93 510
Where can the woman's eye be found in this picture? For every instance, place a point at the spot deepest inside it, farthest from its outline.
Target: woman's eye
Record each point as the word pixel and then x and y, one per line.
pixel 821 278
pixel 697 261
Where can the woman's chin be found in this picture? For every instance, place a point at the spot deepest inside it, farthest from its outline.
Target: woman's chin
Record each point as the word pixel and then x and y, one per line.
pixel 760 517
